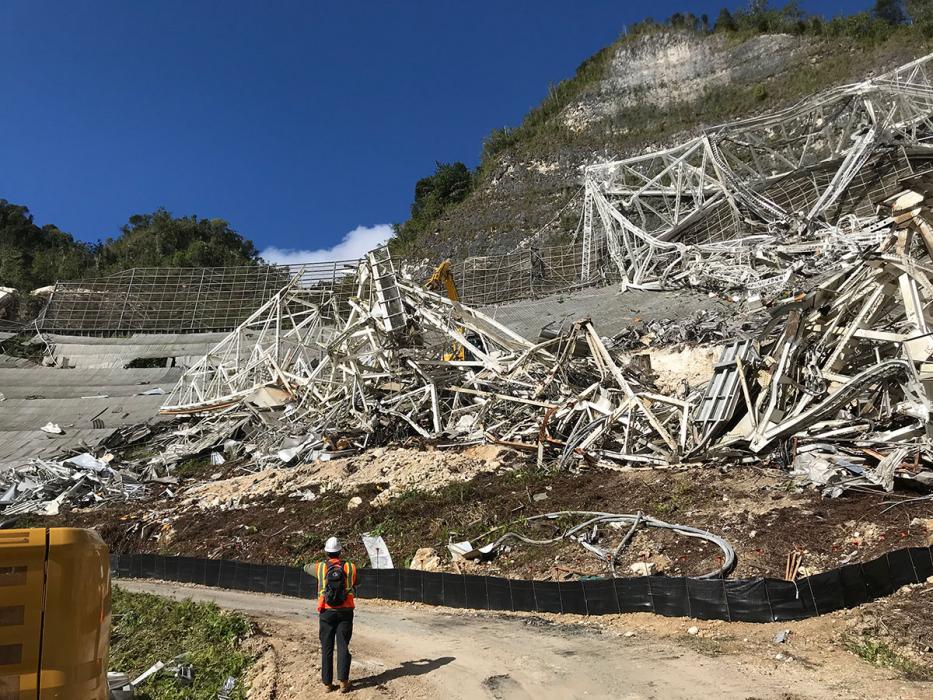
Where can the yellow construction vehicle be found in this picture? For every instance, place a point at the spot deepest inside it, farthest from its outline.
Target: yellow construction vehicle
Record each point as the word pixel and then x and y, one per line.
pixel 443 276
pixel 54 614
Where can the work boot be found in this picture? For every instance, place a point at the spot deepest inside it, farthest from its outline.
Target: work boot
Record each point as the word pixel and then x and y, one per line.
pixel 330 687
pixel 344 686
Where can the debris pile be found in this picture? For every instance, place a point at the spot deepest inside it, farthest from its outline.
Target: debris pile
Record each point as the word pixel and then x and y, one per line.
pixel 390 371
pixel 824 197
pixel 835 377
pixel 762 204
pixel 703 328
pixel 43 486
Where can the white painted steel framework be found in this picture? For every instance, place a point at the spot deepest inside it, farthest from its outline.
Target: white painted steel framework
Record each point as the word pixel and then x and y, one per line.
pixel 748 192
pixel 278 345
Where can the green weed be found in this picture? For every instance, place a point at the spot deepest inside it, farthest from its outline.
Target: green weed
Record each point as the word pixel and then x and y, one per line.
pixel 878 653
pixel 148 628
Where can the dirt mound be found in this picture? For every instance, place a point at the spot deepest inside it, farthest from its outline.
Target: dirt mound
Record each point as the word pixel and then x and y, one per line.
pixel 394 472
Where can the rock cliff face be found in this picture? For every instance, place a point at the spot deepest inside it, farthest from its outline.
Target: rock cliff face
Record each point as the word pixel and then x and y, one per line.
pixel 660 69
pixel 650 91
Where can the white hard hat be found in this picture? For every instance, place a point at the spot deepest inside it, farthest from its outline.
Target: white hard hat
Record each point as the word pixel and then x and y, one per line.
pixel 332 546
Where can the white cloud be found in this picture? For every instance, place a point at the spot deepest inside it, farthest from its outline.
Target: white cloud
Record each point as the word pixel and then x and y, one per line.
pixel 354 245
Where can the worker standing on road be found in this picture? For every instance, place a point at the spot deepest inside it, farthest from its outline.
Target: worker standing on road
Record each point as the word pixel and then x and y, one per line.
pixel 336 580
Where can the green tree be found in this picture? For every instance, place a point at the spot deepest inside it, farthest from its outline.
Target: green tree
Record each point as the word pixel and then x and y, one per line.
pixel 921 15
pixel 31 256
pixel 161 240
pixel 890 11
pixel 450 183
pixel 725 22
pixel 920 11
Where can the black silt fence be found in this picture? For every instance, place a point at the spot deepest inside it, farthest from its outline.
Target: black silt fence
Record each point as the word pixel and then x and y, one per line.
pixel 749 600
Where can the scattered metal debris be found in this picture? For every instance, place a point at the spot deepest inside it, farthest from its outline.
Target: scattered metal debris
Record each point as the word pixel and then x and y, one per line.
pixel 703 328
pixel 120 686
pixel 147 674
pixel 226 692
pixel 43 486
pixel 828 198
pixel 589 536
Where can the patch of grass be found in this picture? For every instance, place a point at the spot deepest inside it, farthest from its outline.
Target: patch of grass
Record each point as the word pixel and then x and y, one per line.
pixel 136 452
pixel 680 497
pixel 878 653
pixel 540 120
pixel 195 467
pixel 708 646
pixel 148 628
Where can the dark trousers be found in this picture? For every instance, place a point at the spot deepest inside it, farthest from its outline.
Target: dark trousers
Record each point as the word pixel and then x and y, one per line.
pixel 336 626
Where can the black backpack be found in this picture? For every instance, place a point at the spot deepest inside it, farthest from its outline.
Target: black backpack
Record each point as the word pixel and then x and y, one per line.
pixel 335 584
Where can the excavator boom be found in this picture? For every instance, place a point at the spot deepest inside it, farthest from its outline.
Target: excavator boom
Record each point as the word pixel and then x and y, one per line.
pixel 443 276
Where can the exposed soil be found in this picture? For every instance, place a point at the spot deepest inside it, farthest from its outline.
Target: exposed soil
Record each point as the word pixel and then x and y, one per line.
pixel 757 510
pixel 896 631
pixel 402 650
pixel 394 472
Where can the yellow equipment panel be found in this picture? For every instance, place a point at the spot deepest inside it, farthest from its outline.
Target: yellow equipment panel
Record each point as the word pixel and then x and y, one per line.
pixel 22 589
pixel 54 614
pixel 76 634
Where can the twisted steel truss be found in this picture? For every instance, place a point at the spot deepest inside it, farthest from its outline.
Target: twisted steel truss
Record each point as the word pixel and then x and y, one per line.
pixel 731 206
pixel 278 345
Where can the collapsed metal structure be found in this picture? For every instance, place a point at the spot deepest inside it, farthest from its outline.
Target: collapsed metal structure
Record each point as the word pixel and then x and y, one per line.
pixel 324 360
pixel 747 204
pixel 839 371
pixel 832 190
pixel 381 375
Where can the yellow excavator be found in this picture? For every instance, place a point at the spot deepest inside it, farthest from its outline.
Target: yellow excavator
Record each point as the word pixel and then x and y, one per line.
pixel 54 614
pixel 443 276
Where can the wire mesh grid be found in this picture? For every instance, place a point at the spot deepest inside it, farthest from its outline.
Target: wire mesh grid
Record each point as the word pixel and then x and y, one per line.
pixel 520 275
pixel 173 300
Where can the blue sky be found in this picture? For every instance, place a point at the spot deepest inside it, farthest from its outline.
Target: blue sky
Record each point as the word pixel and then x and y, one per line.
pixel 298 122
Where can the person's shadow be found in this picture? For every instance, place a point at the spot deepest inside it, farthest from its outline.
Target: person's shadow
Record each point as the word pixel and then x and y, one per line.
pixel 408 668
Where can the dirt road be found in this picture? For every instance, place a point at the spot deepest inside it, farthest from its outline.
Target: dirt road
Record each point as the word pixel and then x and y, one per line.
pixel 402 651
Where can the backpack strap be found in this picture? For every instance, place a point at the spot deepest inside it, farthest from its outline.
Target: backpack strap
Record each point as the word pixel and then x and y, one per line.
pixel 349 569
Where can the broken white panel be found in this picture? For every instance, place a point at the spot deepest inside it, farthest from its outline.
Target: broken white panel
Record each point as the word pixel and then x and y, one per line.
pixel 459 550
pixel 86 461
pixel 378 551
pixel 918 349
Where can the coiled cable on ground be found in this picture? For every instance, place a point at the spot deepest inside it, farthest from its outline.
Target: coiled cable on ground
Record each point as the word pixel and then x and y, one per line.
pixel 598 518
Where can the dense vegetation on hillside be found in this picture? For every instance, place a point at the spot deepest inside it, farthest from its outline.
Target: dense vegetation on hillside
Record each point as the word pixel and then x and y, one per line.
pixel 889 18
pixel 857 39
pixel 450 183
pixel 32 256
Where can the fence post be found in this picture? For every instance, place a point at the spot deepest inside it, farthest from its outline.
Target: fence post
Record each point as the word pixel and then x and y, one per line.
pixel 126 299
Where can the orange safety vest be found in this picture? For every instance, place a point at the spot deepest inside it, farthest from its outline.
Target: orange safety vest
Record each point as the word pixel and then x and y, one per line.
pixel 349 568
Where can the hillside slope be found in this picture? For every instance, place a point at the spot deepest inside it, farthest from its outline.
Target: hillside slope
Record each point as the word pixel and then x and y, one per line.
pixel 641 93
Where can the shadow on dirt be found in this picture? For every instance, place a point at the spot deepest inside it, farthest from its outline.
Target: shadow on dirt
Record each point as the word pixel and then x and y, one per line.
pixel 407 668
